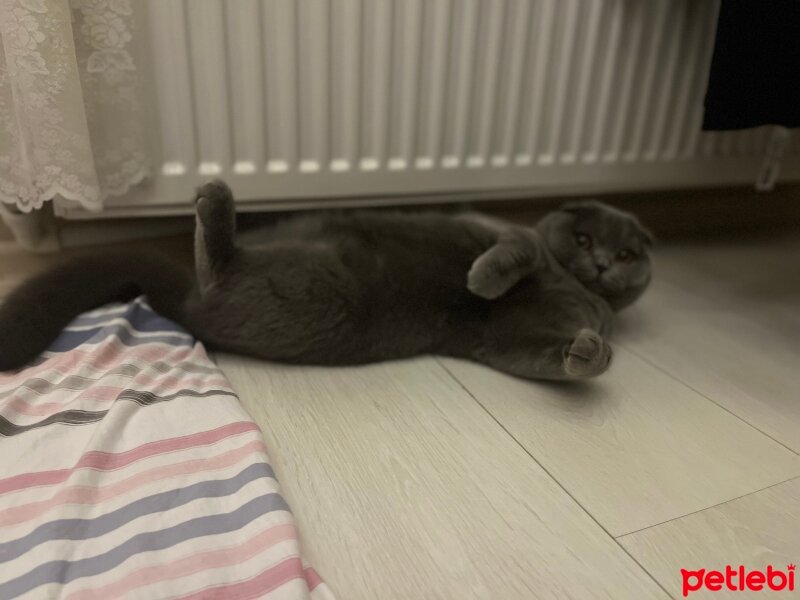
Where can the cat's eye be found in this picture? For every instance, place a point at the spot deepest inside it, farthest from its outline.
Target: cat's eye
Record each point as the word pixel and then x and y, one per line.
pixel 584 241
pixel 625 256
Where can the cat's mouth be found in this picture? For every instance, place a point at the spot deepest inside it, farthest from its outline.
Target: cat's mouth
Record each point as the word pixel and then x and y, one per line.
pixel 606 284
pixel 587 276
pixel 599 282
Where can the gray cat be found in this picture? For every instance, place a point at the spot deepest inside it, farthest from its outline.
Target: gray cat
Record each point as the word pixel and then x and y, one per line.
pixel 343 289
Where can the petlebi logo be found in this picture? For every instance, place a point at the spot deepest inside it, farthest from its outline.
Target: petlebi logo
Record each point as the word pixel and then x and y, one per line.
pixel 738 579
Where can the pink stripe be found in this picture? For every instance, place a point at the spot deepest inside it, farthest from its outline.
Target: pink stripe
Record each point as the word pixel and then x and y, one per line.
pixel 85 494
pixel 263 583
pixel 189 565
pixel 106 355
pixel 312 578
pixel 106 393
pixel 108 461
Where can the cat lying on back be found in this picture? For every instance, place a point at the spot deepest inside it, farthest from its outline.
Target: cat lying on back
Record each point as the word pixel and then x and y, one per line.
pixel 369 286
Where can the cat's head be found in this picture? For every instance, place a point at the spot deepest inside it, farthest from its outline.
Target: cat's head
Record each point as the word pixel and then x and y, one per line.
pixel 606 249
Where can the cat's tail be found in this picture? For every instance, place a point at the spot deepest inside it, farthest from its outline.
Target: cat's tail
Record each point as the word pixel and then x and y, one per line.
pixel 34 314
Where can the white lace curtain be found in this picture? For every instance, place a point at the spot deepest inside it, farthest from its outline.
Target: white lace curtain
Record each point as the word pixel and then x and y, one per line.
pixel 70 106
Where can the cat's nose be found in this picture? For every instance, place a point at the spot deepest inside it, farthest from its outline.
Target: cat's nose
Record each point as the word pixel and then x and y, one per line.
pixel 601 260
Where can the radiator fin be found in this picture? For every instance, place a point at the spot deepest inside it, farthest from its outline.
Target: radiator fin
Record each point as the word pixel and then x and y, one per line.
pixel 403 96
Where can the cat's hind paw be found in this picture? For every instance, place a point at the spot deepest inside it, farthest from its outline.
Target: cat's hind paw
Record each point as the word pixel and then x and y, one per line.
pixel 588 355
pixel 214 202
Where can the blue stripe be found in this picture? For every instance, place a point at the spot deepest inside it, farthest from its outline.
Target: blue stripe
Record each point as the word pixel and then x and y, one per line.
pixel 70 340
pixel 65 571
pixel 140 316
pixel 84 529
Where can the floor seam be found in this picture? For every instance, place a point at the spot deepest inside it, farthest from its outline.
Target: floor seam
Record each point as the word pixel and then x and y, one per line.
pixel 696 391
pixel 718 504
pixel 551 476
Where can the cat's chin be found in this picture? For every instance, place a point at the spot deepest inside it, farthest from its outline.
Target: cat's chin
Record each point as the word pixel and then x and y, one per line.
pixel 585 276
pixel 602 287
pixel 593 281
pixel 595 286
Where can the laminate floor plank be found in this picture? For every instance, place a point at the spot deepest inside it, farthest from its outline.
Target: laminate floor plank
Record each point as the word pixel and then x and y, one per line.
pixel 635 447
pixel 404 487
pixel 725 320
pixel 758 530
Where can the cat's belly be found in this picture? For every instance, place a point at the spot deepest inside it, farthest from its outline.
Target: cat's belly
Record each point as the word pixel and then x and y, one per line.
pixel 312 328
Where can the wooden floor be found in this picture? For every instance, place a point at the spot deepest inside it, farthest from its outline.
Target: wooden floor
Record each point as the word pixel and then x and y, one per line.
pixel 436 478
pixel 439 479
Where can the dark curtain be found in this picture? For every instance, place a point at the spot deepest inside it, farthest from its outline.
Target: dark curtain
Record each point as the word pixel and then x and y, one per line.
pixel 755 70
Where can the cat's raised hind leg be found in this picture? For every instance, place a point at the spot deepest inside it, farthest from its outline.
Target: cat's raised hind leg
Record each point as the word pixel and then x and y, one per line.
pixel 215 229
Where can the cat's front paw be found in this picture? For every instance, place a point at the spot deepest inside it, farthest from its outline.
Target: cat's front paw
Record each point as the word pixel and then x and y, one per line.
pixel 214 202
pixel 484 282
pixel 587 355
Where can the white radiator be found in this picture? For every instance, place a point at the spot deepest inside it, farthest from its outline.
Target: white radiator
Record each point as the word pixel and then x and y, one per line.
pixel 296 102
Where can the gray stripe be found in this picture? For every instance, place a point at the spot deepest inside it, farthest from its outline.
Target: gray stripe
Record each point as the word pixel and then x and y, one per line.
pixel 67 417
pixel 64 571
pixel 84 529
pixel 42 386
pixel 82 417
pixel 76 383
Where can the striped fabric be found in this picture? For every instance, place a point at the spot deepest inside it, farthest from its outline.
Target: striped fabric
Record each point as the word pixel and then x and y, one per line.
pixel 128 469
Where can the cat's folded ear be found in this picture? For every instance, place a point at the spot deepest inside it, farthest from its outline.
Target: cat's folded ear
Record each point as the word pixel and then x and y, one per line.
pixel 583 206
